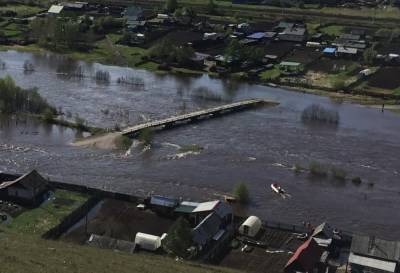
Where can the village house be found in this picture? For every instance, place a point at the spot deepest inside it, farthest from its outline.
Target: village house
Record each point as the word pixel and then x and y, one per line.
pixel 29 189
pixel 291 32
pixel 307 258
pixel 370 254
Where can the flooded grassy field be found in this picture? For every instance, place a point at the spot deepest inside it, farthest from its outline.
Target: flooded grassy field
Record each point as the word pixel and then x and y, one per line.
pixel 258 146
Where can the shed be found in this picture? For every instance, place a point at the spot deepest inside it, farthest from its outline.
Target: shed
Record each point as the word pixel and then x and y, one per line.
pixel 29 189
pixel 347 50
pixel 147 241
pixel 162 201
pixel 251 226
pixel 55 9
pixel 111 243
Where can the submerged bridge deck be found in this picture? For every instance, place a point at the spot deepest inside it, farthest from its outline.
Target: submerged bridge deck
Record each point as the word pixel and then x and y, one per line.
pixel 194 116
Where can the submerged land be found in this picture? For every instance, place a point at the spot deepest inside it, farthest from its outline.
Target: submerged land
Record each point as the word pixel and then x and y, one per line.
pixel 248 191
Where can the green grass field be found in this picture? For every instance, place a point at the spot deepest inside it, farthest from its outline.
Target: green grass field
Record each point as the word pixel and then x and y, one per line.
pixel 25 253
pixel 39 220
pixel 22 10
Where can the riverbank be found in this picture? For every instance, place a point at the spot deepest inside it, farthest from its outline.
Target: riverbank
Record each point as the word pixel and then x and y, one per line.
pixel 100 56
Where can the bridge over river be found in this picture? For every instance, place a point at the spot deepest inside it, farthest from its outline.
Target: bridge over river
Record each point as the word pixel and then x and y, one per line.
pixel 196 116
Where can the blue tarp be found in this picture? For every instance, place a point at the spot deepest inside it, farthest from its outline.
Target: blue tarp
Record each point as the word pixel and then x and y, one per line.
pixel 256 35
pixel 329 50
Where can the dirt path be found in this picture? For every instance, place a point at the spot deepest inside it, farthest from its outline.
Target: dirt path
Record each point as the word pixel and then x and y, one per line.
pixel 106 142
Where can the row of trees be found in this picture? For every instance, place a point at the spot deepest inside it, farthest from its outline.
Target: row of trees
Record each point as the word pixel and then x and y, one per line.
pixel 14 99
pixel 60 33
pixel 72 34
pixel 167 52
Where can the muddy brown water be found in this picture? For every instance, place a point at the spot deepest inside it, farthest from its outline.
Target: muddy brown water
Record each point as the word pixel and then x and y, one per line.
pixel 258 146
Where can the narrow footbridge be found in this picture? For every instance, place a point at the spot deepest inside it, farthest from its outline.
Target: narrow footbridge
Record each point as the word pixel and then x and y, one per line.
pixel 196 116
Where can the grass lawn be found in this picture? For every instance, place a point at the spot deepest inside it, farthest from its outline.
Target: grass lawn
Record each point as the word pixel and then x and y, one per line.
pixel 312 28
pixel 22 10
pixel 270 75
pixel 26 253
pixel 104 53
pixel 335 30
pixel 13 30
pixel 39 220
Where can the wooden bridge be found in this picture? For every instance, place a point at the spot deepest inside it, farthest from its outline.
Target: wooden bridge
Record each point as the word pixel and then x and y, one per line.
pixel 195 116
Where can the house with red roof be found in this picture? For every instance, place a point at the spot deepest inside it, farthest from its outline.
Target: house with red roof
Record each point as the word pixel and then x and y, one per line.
pixel 306 259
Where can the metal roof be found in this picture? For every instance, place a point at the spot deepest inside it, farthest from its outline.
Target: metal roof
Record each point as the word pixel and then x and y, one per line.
pixel 290 64
pixel 111 243
pixel 31 180
pixel 347 50
pixel 206 206
pixel 329 50
pixel 306 256
pixel 163 201
pixel 56 9
pixel 185 209
pixel 206 229
pixel 323 231
pixel 374 247
pixel 371 262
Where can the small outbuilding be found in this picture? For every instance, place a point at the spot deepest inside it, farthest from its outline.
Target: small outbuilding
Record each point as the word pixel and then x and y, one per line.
pixel 251 226
pixel 29 189
pixel 147 241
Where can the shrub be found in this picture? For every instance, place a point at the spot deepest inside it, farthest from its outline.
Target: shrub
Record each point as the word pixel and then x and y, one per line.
pixel 28 66
pixel 80 123
pixel 179 238
pixel 317 113
pixel 103 76
pixel 241 193
pixel 123 142
pixel 297 168
pixel 338 173
pixel 48 116
pixel 146 136
pixel 318 169
pixel 356 180
pixel 191 148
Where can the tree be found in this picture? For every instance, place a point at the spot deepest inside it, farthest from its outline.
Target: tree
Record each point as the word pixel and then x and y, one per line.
pixel 255 55
pixel 179 238
pixel 211 7
pixel 235 51
pixel 171 5
pixel 241 193
pixel 184 54
pixel 369 55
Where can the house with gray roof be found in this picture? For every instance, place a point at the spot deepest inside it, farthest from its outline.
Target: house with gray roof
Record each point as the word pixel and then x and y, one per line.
pixel 28 189
pixel 370 254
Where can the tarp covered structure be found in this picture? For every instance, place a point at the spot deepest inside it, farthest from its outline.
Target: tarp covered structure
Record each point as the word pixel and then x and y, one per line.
pixel 251 226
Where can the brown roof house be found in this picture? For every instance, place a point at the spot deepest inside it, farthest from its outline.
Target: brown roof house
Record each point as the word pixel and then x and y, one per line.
pixel 28 189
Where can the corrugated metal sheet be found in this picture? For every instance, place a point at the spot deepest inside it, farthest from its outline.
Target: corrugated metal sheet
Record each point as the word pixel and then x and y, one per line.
pixel 56 9
pixel 373 263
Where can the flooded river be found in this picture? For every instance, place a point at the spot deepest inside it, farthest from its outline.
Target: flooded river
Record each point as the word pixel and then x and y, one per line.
pixel 258 147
